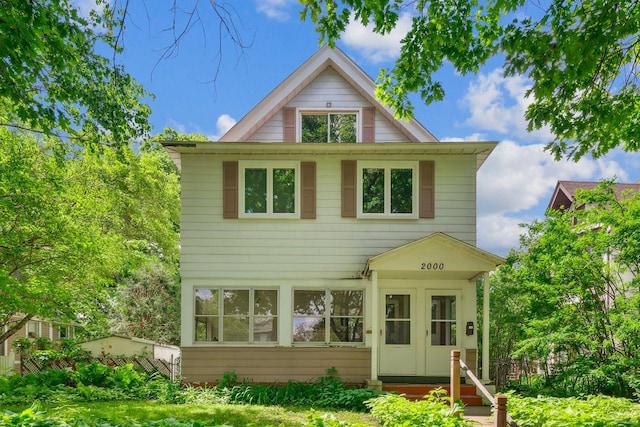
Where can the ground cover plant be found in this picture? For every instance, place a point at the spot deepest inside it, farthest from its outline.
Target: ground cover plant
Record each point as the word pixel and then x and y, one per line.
pixel 590 411
pixel 435 410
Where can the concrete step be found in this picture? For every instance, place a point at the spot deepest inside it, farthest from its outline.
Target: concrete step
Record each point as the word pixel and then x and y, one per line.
pixel 468 392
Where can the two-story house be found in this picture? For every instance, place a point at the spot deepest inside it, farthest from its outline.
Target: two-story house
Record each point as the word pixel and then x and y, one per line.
pixel 320 232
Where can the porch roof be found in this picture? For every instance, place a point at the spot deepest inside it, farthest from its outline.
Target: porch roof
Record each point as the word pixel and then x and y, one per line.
pixel 437 256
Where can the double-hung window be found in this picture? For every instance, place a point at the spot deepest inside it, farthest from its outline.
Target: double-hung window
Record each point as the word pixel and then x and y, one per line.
pixel 329 126
pixel 236 315
pixel 269 189
pixel 387 189
pixel 328 316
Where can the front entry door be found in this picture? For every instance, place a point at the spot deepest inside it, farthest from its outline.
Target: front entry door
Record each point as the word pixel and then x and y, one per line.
pixel 444 330
pixel 397 335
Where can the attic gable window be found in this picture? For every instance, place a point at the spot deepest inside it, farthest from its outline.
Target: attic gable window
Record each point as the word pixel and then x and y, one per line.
pixel 330 126
pixel 387 189
pixel 269 189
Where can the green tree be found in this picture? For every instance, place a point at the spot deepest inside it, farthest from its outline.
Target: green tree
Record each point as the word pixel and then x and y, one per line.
pixel 73 223
pixel 54 81
pixel 575 290
pixel 582 59
pixel 146 304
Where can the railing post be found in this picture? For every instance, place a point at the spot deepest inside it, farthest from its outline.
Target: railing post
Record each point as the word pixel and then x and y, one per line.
pixel 500 411
pixel 455 377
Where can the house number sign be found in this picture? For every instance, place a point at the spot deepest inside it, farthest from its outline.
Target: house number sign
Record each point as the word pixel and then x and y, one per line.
pixel 432 266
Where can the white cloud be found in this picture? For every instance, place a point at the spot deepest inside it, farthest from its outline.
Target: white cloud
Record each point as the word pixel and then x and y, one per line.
pixel 498 104
pixel 274 9
pixel 515 185
pixel 223 124
pixel 376 48
pixel 474 137
pixel 516 177
pixel 498 233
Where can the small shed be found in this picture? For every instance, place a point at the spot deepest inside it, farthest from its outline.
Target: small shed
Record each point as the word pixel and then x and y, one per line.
pixel 118 345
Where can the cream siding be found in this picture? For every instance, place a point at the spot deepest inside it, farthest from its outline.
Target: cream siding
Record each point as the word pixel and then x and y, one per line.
pixel 329 86
pixel 327 247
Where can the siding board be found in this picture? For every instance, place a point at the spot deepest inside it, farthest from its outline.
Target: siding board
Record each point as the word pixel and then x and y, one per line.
pixel 268 364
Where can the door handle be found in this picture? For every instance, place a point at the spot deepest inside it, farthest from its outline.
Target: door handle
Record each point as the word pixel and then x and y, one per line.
pixel 427 332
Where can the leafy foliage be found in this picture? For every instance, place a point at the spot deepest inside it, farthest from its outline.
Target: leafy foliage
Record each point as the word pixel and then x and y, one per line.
pixel 393 410
pixel 146 304
pixel 76 220
pixel 571 296
pixel 581 57
pixel 54 81
pixel 573 412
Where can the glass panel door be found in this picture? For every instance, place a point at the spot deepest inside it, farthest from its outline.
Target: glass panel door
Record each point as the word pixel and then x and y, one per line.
pixel 443 330
pixel 397 332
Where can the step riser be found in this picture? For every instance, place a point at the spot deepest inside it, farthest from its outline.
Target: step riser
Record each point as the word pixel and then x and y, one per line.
pixel 417 392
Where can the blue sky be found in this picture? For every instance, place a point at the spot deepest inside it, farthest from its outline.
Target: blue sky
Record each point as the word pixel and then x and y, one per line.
pixel 514 185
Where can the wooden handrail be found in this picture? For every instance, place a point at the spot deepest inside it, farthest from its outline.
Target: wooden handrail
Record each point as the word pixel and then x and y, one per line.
pixel 499 402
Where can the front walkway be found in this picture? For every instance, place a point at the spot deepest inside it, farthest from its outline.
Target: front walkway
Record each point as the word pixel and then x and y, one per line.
pixel 481 415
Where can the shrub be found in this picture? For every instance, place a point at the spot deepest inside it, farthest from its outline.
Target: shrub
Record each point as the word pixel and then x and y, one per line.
pixel 392 410
pixel 95 374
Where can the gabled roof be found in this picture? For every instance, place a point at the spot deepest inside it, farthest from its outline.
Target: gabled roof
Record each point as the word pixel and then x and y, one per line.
pixel 453 259
pixel 564 193
pixel 324 58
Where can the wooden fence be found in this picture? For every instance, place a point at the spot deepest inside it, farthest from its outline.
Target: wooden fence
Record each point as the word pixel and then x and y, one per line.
pixel 149 365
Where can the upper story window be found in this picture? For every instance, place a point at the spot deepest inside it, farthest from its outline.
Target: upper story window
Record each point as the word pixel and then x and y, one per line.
pixel 387 189
pixel 330 126
pixel 269 188
pixel 236 315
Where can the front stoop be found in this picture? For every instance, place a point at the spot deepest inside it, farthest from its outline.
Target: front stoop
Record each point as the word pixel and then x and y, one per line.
pixel 468 392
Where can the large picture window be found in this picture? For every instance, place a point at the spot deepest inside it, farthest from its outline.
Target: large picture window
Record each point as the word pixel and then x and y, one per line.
pixel 269 189
pixel 387 189
pixel 328 316
pixel 236 315
pixel 319 127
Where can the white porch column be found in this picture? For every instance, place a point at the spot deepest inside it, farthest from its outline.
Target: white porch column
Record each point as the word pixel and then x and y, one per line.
pixel 375 326
pixel 485 327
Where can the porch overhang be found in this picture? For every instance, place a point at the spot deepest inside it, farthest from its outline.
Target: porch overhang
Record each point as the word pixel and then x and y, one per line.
pixel 437 256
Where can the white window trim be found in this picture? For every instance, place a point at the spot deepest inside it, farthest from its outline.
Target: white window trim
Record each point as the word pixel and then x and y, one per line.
pixel 387 166
pixel 327 318
pixel 269 165
pixel 221 316
pixel 329 110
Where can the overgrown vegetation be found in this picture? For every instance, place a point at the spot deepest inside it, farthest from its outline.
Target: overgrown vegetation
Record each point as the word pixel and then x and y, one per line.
pixel 588 411
pixel 392 410
pixel 96 382
pixel 566 305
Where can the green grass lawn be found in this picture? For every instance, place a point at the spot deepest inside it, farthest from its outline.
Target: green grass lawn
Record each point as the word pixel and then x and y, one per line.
pixel 216 414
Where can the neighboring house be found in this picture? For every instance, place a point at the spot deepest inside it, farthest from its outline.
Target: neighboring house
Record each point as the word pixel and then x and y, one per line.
pixel 563 197
pixel 320 232
pixel 35 328
pixel 116 345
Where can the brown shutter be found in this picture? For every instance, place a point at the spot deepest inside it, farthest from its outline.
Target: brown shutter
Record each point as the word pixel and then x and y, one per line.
pixel 308 186
pixel 230 189
pixel 427 190
pixel 289 125
pixel 369 124
pixel 349 188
